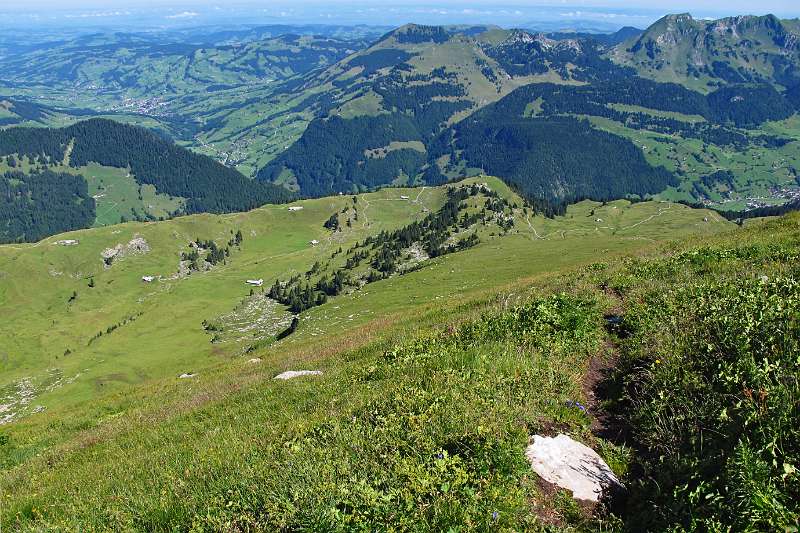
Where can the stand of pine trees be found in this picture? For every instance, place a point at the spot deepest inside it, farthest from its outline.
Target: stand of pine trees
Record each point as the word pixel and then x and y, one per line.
pixel 385 250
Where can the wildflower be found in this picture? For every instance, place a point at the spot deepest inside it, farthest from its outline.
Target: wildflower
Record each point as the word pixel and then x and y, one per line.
pixel 495 515
pixel 579 405
pixel 658 361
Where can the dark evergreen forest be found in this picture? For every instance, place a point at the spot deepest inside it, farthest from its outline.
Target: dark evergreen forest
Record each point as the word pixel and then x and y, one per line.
pixel 556 161
pixel 35 205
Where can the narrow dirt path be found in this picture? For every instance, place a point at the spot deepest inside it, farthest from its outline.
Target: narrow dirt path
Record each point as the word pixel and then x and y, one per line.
pixel 661 211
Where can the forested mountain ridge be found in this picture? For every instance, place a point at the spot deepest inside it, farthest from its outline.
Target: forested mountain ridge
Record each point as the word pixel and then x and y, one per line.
pixel 376 111
pixel 36 182
pixel 14 112
pixel 409 109
pixel 706 54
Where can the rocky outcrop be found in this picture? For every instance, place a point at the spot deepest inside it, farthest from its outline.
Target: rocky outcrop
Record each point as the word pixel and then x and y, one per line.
pixel 136 246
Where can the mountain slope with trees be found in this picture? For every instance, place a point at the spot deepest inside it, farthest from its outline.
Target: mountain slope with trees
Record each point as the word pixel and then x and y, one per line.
pixel 411 108
pixel 407 88
pixel 206 185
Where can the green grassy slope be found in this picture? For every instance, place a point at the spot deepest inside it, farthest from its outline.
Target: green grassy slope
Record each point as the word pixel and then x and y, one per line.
pixel 422 416
pixel 38 282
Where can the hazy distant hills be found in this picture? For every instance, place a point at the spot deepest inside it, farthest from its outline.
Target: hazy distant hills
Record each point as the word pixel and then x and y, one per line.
pixel 135 67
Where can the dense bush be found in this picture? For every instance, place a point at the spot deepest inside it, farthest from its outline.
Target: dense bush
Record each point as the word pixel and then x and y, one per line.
pixel 710 374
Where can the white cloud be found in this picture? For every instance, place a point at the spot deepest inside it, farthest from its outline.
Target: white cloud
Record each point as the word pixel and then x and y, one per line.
pixel 184 15
pixel 599 15
pixel 98 14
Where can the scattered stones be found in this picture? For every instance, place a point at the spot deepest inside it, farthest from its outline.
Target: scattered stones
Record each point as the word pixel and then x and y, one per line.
pixel 571 465
pixel 138 245
pixel 254 360
pixel 186 376
pixel 291 374
pixel 254 319
pixel 16 398
pixel 67 242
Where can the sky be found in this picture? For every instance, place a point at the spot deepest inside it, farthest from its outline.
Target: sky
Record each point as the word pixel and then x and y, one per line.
pixel 550 14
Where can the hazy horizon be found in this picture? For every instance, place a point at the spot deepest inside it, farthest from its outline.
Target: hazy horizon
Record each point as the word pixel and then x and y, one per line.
pixel 601 15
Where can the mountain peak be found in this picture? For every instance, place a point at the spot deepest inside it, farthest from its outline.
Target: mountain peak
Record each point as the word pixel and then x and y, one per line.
pixel 741 49
pixel 416 33
pixel 544 43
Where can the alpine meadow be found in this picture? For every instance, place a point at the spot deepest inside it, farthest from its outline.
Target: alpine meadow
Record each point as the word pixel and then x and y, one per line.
pixel 423 268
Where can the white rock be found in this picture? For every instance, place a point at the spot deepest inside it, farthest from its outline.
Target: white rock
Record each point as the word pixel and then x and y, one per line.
pixel 254 360
pixel 108 253
pixel 290 374
pixel 185 376
pixel 571 465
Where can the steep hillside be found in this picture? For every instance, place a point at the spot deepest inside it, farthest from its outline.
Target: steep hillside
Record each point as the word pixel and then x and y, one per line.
pixel 377 112
pixel 433 381
pixel 705 54
pixel 337 262
pixel 48 171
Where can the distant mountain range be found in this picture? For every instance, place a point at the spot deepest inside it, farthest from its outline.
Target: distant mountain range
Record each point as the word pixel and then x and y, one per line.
pixel 405 110
pixel 560 116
